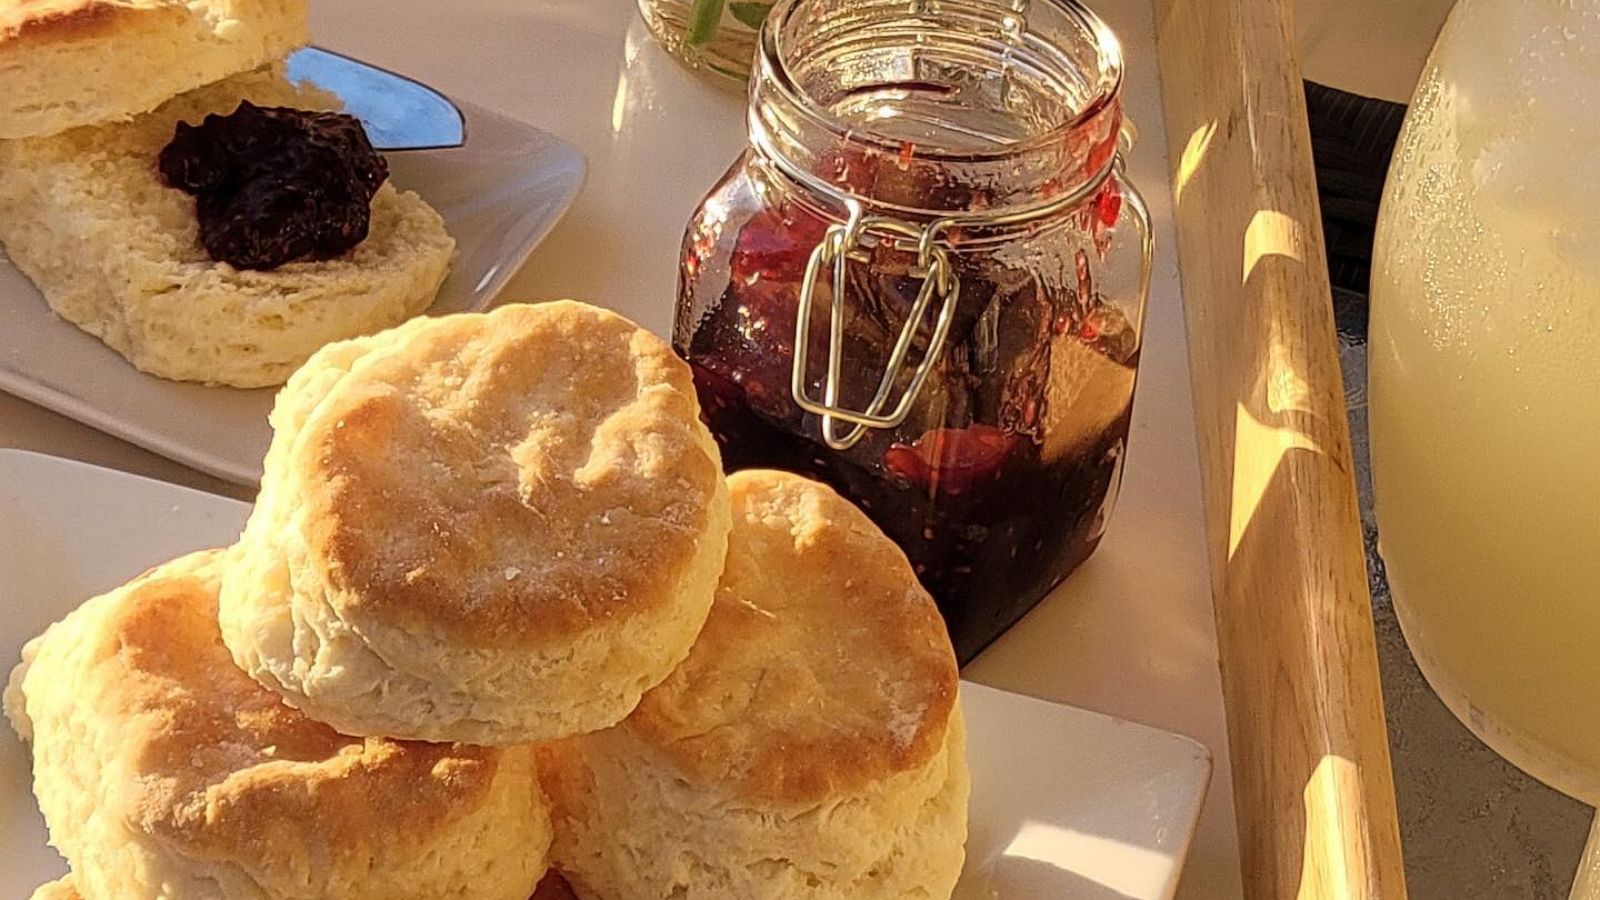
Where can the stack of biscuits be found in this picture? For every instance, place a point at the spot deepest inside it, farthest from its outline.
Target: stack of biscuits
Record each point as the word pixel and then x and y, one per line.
pixel 498 612
pixel 91 91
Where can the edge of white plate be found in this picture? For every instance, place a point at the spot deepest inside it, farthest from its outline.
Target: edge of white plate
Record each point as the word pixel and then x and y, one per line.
pixel 10 456
pixel 80 410
pixel 572 160
pixel 1195 754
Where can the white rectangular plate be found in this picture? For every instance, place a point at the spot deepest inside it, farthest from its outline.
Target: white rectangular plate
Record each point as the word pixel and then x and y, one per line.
pixel 499 194
pixel 1066 804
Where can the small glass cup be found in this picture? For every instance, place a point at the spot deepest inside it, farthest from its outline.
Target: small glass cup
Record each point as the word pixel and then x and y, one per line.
pixel 717 36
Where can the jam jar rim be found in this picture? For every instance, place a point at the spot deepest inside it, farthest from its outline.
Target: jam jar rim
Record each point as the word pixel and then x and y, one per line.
pixel 979 231
pixel 774 67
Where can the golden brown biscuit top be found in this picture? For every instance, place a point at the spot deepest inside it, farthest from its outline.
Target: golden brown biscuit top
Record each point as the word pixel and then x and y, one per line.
pixel 217 763
pixel 73 19
pixel 508 479
pixel 824 667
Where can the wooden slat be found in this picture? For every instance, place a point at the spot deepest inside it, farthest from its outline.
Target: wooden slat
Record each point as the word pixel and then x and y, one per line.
pixel 1312 780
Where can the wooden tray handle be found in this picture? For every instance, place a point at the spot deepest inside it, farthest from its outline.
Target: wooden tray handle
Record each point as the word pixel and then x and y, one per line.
pixel 1312 780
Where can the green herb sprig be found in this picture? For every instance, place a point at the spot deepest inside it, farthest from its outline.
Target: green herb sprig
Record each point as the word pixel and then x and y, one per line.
pixel 706 15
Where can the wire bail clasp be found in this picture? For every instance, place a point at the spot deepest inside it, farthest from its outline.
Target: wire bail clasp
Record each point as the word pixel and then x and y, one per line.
pixel 841 243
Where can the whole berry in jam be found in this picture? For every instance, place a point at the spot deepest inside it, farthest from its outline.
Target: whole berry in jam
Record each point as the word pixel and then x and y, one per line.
pixel 952 460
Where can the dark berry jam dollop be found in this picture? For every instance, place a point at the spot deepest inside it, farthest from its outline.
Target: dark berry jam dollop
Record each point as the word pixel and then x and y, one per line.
pixel 275 185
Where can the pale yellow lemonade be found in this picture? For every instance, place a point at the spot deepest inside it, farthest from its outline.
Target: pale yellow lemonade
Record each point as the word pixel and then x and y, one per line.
pixel 1485 381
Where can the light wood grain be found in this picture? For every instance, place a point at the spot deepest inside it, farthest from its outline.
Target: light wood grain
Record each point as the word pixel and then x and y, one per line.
pixel 1312 779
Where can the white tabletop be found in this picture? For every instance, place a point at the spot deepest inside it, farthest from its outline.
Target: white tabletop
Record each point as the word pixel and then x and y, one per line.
pixel 1130 634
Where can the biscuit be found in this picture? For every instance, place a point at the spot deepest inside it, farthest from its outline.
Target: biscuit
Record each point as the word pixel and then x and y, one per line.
pixel 492 528
pixel 811 746
pixel 164 773
pixel 65 63
pixel 84 214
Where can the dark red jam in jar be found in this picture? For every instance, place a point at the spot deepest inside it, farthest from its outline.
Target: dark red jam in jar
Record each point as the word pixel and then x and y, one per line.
pixel 924 283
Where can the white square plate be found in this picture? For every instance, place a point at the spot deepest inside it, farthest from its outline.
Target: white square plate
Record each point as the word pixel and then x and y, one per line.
pixel 1066 804
pixel 500 194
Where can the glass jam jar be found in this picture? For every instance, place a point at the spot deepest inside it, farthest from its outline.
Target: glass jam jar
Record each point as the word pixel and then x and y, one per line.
pixel 924 283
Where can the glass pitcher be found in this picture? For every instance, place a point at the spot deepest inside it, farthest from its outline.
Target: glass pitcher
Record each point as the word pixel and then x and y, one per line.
pixel 1485 381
